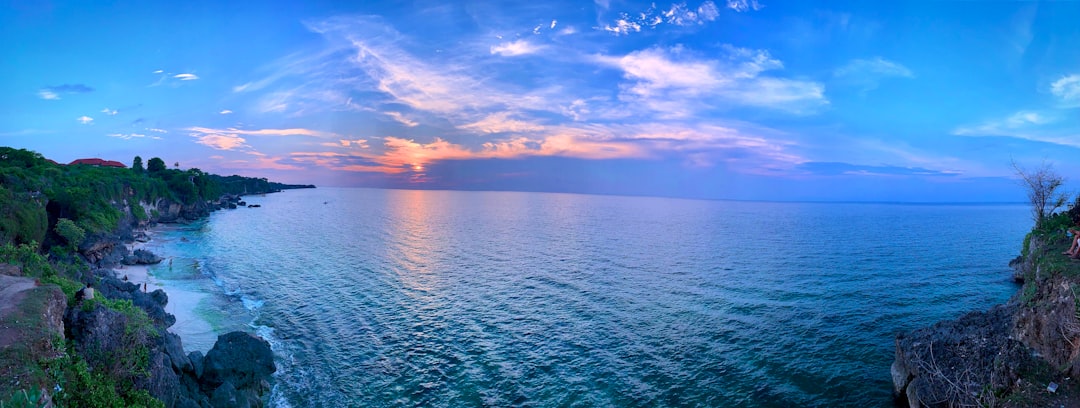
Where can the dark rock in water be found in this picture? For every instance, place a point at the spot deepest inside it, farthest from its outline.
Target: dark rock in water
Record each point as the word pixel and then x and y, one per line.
pixel 142 257
pixel 236 370
pixel 242 203
pixel 232 206
pixel 238 358
pixel 254 206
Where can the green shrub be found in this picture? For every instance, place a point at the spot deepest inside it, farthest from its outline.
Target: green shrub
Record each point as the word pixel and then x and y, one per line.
pixel 73 234
pixel 25 255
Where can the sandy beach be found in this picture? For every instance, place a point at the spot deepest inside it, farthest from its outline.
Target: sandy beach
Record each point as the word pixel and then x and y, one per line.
pixel 195 331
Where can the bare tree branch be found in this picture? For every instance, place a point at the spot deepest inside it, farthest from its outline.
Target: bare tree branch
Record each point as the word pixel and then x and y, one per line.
pixel 1043 190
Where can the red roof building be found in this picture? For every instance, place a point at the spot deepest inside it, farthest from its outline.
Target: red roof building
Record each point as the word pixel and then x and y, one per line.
pixel 98 162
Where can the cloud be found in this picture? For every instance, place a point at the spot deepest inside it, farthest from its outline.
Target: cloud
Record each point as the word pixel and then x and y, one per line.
pixel 675 83
pixel 515 48
pixel 501 123
pixel 186 77
pixel 848 169
pixel 876 65
pixel 54 92
pixel 157 130
pixel 1067 88
pixel 1018 124
pixel 86 120
pixel 160 71
pixel 401 119
pixel 129 136
pixel 110 112
pixel 867 74
pixel 744 5
pixel 70 88
pixel 225 112
pixel 357 143
pixel 1027 125
pixel 220 141
pixel 698 145
pixel 678 14
pixel 553 22
pixel 264 132
pixel 623 26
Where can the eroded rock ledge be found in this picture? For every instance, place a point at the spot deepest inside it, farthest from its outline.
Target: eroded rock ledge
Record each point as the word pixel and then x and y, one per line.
pixel 1007 356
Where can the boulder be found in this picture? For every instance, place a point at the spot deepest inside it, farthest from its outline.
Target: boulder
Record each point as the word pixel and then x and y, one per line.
pixel 239 358
pixel 142 257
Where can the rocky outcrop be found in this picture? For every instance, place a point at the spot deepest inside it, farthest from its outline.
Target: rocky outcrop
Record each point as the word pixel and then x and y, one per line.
pixel 141 257
pixel 963 362
pixel 235 373
pixel 982 356
pixel 236 369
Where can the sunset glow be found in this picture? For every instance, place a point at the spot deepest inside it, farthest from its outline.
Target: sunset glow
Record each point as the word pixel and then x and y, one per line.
pixel 761 100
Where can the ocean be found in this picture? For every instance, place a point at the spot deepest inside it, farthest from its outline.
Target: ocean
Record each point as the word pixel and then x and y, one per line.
pixel 395 298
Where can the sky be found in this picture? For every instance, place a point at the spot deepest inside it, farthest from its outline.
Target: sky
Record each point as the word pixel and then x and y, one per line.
pixel 720 99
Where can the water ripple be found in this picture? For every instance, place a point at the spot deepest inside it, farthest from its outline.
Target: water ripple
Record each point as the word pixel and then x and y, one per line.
pixel 449 299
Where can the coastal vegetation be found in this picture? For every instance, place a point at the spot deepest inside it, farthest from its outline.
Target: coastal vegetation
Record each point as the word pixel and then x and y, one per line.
pixel 61 227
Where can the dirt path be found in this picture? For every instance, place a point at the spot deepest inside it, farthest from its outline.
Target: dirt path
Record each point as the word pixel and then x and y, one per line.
pixel 11 289
pixel 12 292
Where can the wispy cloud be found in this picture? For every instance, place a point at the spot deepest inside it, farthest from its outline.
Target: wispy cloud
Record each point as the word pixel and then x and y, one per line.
pixel 129 136
pixel 110 112
pixel 1067 88
pixel 677 14
pixel 86 120
pixel 744 5
pixel 676 83
pixel 867 74
pixel 848 169
pixel 1027 125
pixel 54 92
pixel 225 112
pixel 400 118
pixel 186 77
pixel 1018 124
pixel 502 123
pixel 264 132
pixel 515 48
pixel 220 141
pixel 157 130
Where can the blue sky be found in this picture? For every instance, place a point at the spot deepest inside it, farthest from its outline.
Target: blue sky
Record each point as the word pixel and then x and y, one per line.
pixel 766 100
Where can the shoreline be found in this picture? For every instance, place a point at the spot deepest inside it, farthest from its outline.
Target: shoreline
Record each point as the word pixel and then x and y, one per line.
pixel 197 332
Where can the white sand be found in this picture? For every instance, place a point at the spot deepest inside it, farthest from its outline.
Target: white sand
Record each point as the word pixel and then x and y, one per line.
pixel 196 332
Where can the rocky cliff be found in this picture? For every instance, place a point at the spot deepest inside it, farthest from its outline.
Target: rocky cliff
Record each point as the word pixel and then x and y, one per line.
pixel 235 373
pixel 1023 353
pixel 121 332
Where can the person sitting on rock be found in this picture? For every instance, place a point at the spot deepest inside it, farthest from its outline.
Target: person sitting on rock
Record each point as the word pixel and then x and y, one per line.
pixel 1074 249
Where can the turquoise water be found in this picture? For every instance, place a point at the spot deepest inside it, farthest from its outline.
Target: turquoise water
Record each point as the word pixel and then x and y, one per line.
pixel 448 299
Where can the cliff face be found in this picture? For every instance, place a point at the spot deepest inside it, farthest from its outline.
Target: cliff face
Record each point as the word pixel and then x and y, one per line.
pixel 234 373
pixel 1007 356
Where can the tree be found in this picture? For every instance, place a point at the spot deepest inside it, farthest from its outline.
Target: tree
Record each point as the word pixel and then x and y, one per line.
pixel 136 165
pixel 155 165
pixel 1042 185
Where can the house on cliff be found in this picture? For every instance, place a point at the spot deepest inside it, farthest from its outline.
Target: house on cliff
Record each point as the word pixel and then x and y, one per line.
pixel 98 163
